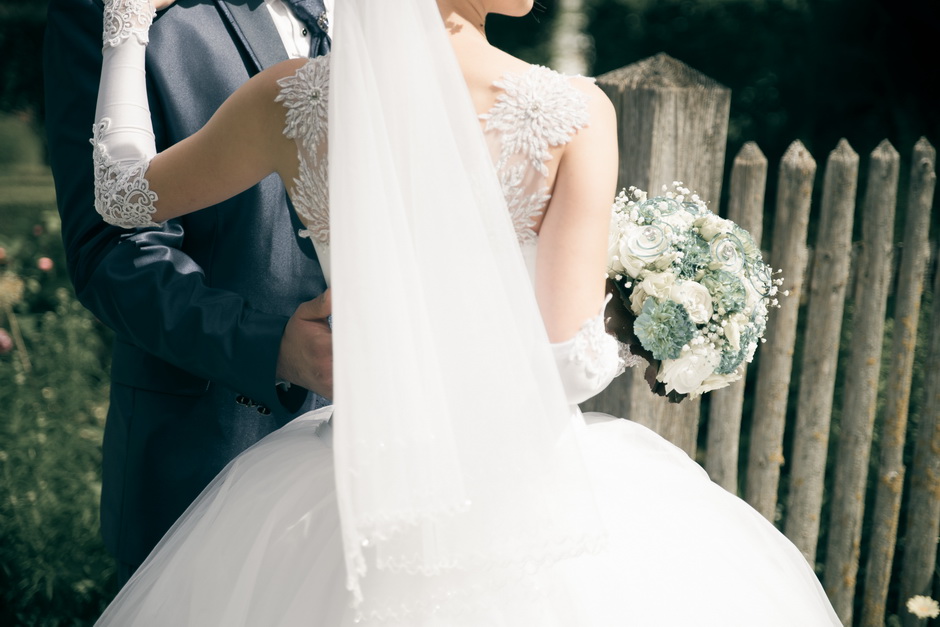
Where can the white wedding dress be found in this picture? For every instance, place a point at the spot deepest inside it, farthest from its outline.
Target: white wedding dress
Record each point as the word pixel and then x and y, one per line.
pixel 262 545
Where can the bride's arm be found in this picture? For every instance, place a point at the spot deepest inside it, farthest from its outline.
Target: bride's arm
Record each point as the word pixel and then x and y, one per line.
pixel 572 251
pixel 572 256
pixel 239 146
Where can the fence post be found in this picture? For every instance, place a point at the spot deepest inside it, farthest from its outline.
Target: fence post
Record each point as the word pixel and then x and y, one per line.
pixel 906 317
pixel 795 188
pixel 746 208
pixel 923 510
pixel 861 382
pixel 673 125
pixel 827 288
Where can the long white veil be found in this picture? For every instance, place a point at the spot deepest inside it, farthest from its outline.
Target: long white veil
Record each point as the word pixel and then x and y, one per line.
pixel 458 467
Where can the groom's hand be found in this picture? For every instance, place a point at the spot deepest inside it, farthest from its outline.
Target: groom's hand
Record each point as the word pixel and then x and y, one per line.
pixel 306 355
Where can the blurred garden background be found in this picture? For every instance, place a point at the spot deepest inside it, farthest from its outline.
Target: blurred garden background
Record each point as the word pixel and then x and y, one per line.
pixel 813 70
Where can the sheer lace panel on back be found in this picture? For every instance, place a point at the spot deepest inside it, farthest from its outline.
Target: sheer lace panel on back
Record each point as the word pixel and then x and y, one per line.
pixel 536 110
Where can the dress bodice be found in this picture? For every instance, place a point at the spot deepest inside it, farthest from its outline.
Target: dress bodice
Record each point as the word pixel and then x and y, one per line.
pixel 536 112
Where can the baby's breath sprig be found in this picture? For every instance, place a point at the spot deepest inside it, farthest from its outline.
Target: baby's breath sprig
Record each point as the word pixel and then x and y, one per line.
pixel 696 283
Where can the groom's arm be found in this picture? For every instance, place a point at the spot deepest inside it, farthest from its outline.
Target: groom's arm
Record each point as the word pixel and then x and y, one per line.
pixel 141 284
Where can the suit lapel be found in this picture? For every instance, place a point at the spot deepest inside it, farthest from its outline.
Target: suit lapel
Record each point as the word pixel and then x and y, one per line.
pixel 252 25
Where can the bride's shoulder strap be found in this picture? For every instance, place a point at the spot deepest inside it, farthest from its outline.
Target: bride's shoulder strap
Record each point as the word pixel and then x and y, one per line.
pixel 538 109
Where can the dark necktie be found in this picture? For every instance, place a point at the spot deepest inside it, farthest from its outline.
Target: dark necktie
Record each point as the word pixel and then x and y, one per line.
pixel 313 14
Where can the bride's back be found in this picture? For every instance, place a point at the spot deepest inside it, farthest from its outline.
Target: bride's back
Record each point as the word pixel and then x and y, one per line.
pixel 528 114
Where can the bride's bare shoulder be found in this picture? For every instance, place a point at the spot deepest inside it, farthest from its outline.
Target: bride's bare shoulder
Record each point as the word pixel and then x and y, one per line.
pixel 486 71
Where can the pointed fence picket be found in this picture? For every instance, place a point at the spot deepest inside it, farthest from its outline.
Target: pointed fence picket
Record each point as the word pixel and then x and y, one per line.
pixel 890 482
pixel 746 208
pixel 789 255
pixel 829 280
pixel 861 381
pixel 674 124
pixel 920 540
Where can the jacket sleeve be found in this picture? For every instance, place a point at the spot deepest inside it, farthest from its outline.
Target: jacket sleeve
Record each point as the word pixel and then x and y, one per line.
pixel 140 283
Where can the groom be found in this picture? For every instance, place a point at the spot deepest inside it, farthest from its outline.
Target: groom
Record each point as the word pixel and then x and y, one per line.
pixel 209 311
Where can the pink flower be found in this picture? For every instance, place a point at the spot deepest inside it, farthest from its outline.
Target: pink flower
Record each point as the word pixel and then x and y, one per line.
pixel 6 342
pixel 37 230
pixel 45 264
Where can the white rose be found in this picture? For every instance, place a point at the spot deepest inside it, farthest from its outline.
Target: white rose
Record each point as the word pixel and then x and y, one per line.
pixel 613 255
pixel 695 298
pixel 686 373
pixel 632 264
pixel 637 298
pixel 681 219
pixel 658 284
pixel 711 225
pixel 733 330
pixel 666 259
pixel 718 381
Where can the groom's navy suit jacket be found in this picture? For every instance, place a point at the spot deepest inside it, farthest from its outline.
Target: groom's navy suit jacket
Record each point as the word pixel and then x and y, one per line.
pixel 198 306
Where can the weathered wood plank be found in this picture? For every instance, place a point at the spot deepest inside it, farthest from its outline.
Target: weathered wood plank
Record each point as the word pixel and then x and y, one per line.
pixel 906 317
pixel 827 289
pixel 861 383
pixel 923 511
pixel 673 126
pixel 788 253
pixel 746 208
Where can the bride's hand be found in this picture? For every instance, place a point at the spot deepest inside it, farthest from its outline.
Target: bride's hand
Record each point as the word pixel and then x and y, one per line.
pixel 306 355
pixel 159 5
pixel 620 321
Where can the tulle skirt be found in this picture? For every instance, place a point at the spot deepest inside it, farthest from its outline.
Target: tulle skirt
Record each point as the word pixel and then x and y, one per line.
pixel 262 547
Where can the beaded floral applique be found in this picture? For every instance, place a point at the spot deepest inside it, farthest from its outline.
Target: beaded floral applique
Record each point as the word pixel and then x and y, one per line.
pixel 306 96
pixel 537 110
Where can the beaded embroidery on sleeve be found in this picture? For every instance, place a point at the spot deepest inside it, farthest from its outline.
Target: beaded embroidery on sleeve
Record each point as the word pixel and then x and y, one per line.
pixel 127 18
pixel 122 193
pixel 305 94
pixel 536 110
pixel 593 347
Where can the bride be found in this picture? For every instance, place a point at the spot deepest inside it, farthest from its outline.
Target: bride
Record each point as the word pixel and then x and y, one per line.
pixel 455 482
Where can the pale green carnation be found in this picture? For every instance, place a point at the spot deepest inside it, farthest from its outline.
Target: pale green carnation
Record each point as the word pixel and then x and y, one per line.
pixel 728 294
pixel 663 328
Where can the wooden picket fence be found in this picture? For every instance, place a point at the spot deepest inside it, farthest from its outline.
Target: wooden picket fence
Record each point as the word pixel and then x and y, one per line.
pixel 673 126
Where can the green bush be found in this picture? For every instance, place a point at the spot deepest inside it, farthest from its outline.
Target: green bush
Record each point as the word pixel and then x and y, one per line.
pixel 19 143
pixel 53 388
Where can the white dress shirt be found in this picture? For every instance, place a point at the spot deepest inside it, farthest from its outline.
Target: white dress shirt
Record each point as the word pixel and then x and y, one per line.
pixel 293 32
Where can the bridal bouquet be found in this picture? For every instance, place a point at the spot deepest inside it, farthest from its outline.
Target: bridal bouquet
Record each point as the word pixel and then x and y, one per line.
pixel 696 284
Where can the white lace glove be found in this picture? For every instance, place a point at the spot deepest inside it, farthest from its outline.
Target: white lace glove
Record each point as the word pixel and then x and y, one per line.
pixel 122 136
pixel 590 360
